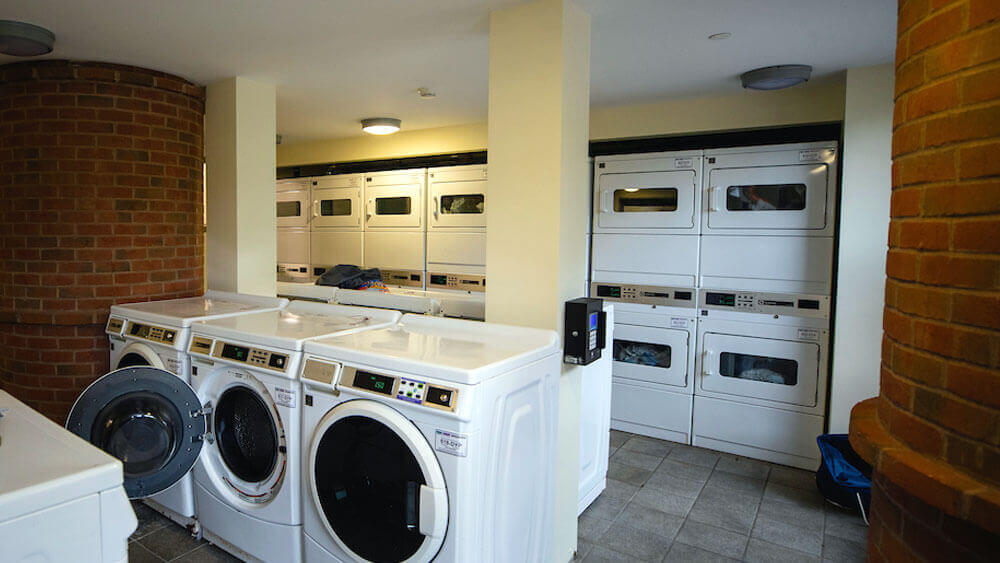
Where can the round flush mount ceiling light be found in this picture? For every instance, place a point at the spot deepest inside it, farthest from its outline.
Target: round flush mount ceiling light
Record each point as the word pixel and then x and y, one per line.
pixel 425 93
pixel 21 39
pixel 720 36
pixel 775 77
pixel 380 125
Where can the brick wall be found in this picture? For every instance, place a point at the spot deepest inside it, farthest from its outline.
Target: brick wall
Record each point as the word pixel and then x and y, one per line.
pixel 101 178
pixel 933 434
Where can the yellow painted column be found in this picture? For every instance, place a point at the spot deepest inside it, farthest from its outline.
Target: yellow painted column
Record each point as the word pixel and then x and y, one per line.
pixel 539 190
pixel 241 247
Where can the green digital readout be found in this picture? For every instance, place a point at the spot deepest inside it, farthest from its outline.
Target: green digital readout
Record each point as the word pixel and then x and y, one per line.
pixel 374 382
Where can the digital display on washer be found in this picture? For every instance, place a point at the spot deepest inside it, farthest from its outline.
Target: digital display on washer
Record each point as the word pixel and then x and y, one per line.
pixel 142 331
pixel 373 382
pixel 439 280
pixel 614 291
pixel 726 299
pixel 233 352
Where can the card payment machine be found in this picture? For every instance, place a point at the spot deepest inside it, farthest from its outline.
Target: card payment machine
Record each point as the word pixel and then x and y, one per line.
pixel 584 326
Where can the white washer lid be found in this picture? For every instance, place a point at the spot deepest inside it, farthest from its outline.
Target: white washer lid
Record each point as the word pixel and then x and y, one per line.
pixel 307 290
pixel 450 349
pixel 182 312
pixel 288 328
pixel 42 464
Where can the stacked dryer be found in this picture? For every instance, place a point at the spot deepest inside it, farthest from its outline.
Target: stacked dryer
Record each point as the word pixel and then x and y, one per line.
pixel 394 226
pixel 292 210
pixel 337 232
pixel 645 258
pixel 766 263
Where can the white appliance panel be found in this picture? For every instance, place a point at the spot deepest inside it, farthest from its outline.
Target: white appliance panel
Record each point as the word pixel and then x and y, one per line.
pixel 456 198
pixel 651 410
pixel 670 260
pixel 394 250
pixel 782 371
pixel 647 200
pixel 595 419
pixel 465 249
pixel 337 207
pixel 329 248
pixel 765 263
pixel 654 355
pixel 293 246
pixel 395 200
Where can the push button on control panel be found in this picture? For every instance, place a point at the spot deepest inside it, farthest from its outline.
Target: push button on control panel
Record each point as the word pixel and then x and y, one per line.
pixel 438 396
pixel 277 361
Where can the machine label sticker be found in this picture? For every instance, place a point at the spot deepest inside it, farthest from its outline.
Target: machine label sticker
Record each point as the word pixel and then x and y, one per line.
pixel 234 373
pixel 451 443
pixel 809 154
pixel 174 365
pixel 284 397
pixel 683 163
pixel 678 322
pixel 808 334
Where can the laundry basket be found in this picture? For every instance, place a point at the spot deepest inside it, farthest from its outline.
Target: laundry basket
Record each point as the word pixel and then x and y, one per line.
pixel 843 477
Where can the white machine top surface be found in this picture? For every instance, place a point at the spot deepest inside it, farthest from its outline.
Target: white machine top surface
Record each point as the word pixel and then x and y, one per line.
pixel 450 349
pixel 183 312
pixel 42 464
pixel 288 328
pixel 306 290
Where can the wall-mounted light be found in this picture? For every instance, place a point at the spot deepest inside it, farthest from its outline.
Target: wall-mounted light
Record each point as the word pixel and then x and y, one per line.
pixel 380 125
pixel 775 77
pixel 21 39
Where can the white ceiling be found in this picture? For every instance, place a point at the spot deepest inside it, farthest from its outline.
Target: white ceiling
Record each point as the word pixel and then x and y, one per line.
pixel 336 61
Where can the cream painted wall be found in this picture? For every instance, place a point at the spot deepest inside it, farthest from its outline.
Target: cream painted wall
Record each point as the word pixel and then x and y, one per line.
pixel 240 240
pixel 536 227
pixel 864 227
pixel 816 101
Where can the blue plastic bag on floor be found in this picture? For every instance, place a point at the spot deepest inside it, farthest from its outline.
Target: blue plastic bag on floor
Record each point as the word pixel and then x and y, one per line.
pixel 843 477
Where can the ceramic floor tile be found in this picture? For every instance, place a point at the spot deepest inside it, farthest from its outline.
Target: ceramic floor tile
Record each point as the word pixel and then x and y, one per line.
pixel 650 446
pixel 582 549
pixel 725 509
pixel 737 483
pixel 635 542
pixel 149 520
pixel 694 456
pixel 605 508
pixel 846 525
pixel 788 535
pixel 139 554
pixel 618 438
pixel 684 470
pixel 804 516
pixel 664 481
pixel 619 489
pixel 664 501
pixel 628 473
pixel 650 520
pixel 792 477
pixel 759 551
pixel 636 459
pixel 683 553
pixel 590 527
pixel 713 539
pixel 600 554
pixel 170 542
pixel 743 466
pixel 843 551
pixel 803 497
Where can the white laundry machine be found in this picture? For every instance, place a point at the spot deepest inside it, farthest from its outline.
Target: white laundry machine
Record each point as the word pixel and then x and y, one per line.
pixel 395 225
pixel 762 373
pixel 307 291
pixel 769 216
pixel 396 298
pixel 595 420
pixel 61 499
pixel 456 228
pixel 156 333
pixel 292 206
pixel 653 354
pixel 237 424
pixel 337 225
pixel 431 440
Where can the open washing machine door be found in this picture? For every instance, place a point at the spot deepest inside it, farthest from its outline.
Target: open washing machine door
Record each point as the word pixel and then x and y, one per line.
pixel 378 484
pixel 148 418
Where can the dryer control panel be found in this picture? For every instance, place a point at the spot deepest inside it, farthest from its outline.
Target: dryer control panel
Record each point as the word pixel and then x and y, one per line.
pixel 402 388
pixel 405 278
pixel 645 294
pixel 151 332
pixel 253 357
pixel 795 304
pixel 465 282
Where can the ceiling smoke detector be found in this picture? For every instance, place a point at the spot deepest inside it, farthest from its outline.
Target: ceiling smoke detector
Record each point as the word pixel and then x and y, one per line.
pixel 775 77
pixel 425 93
pixel 380 125
pixel 21 39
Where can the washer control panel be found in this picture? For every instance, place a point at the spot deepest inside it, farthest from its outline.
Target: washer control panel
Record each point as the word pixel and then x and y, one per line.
pixel 115 326
pixel 795 304
pixel 254 357
pixel 402 388
pixel 151 332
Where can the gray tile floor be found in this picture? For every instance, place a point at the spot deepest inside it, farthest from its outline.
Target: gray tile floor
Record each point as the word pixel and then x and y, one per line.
pixel 671 502
pixel 158 539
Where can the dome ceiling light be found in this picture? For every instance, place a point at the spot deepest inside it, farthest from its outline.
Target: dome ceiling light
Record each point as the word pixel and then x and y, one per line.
pixel 380 125
pixel 20 39
pixel 775 77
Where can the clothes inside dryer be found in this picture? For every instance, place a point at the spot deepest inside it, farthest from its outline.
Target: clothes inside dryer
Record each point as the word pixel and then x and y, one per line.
pixel 246 434
pixel 368 484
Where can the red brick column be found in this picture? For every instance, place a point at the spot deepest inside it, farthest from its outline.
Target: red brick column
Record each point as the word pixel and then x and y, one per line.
pixel 933 434
pixel 101 179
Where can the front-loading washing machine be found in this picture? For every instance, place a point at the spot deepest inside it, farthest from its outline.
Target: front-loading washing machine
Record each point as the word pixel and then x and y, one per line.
pixel 653 358
pixel 431 440
pixel 156 333
pixel 236 424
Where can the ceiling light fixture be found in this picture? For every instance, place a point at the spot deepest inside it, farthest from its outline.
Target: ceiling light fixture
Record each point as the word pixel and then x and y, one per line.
pixel 775 77
pixel 720 36
pixel 380 125
pixel 21 39
pixel 425 93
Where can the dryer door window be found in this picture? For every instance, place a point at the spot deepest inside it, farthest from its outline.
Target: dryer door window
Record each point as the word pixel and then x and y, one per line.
pixel 647 200
pixel 655 355
pixel 146 417
pixel 377 484
pixel 783 371
pixel 246 434
pixel 770 198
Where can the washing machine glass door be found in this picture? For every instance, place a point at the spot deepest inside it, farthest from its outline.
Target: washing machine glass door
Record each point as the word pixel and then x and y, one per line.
pixel 377 484
pixel 148 418
pixel 784 371
pixel 656 355
pixel 246 434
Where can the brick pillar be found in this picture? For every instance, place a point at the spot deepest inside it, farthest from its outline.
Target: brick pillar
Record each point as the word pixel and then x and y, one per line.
pixel 100 171
pixel 933 434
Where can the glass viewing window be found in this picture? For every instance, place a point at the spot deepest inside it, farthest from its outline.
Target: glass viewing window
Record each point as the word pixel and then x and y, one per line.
pixel 334 207
pixel 774 197
pixel 759 368
pixel 464 203
pixel 289 208
pixel 392 206
pixel 645 200
pixel 641 353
